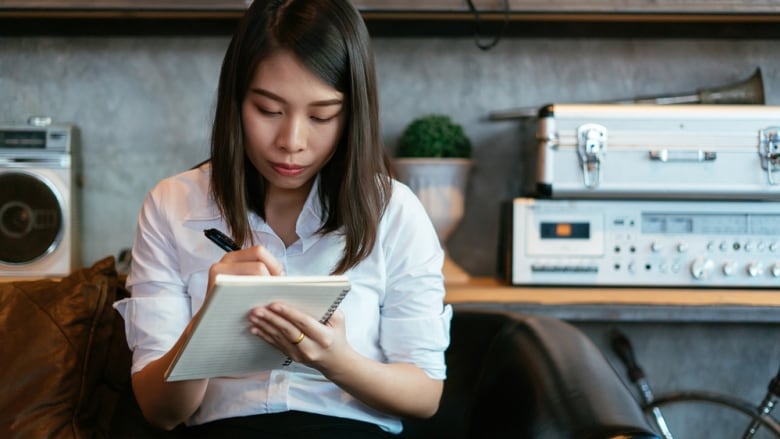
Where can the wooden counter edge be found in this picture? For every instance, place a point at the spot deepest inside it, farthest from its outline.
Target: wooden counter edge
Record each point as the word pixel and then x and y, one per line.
pixel 491 290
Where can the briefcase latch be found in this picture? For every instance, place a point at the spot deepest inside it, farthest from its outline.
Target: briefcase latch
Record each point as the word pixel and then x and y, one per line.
pixel 591 147
pixel 769 150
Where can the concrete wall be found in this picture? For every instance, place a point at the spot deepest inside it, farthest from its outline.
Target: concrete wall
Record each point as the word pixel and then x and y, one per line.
pixel 144 106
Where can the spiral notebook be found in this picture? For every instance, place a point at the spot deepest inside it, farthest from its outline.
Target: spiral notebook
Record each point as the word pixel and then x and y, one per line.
pixel 219 344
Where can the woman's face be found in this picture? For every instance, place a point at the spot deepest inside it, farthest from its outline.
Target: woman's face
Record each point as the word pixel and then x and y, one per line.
pixel 292 123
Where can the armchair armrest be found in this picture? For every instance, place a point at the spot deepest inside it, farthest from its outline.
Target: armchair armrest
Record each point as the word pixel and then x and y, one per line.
pixel 521 376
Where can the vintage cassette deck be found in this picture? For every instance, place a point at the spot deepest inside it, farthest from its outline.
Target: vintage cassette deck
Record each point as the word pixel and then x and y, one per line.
pixel 648 243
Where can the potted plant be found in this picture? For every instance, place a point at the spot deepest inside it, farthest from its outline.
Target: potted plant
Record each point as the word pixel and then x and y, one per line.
pixel 433 158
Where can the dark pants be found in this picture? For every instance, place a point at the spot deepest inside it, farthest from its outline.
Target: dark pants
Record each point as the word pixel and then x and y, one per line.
pixel 285 425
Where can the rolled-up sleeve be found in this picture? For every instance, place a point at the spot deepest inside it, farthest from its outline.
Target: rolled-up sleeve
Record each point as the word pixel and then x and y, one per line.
pixel 159 309
pixel 152 326
pixel 419 341
pixel 414 322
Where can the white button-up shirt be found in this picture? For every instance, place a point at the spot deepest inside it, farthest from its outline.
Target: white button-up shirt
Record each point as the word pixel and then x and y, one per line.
pixel 394 311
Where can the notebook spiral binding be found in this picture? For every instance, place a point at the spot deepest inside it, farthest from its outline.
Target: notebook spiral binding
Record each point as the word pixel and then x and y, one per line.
pixel 325 317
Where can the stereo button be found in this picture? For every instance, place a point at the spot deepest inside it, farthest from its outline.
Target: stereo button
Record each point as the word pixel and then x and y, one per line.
pixel 656 247
pixel 775 270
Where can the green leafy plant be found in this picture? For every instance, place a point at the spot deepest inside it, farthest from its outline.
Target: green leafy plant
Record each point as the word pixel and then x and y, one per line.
pixel 434 135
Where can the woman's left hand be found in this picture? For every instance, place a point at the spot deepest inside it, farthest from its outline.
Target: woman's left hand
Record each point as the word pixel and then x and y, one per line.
pixel 299 335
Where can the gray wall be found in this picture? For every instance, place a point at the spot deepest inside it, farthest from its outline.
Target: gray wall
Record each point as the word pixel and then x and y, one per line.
pixel 144 105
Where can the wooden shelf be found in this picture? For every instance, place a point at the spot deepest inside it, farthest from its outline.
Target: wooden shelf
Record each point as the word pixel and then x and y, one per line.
pixel 621 304
pixel 440 9
pixel 536 18
pixel 492 290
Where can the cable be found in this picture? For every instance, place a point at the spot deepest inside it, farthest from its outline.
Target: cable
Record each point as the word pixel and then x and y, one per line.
pixel 478 30
pixel 719 399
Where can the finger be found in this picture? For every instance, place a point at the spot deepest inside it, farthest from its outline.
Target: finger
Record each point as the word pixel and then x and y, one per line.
pixel 254 253
pixel 298 321
pixel 275 324
pixel 264 270
pixel 246 267
pixel 241 268
pixel 260 253
pixel 336 319
pixel 269 329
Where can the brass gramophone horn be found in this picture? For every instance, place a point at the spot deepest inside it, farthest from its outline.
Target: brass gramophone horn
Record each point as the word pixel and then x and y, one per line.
pixel 748 91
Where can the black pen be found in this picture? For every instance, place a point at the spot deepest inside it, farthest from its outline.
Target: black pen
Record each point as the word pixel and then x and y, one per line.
pixel 223 241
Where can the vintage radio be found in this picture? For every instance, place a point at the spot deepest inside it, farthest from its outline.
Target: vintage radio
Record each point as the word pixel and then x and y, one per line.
pixel 38 209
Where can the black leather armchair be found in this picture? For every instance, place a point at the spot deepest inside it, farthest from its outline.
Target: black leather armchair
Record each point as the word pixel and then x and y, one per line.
pixel 520 376
pixel 509 376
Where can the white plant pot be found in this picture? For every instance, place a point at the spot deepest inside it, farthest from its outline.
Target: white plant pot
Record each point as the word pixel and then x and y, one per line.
pixel 440 184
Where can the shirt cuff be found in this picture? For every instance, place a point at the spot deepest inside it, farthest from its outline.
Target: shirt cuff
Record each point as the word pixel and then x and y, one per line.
pixel 420 341
pixel 152 325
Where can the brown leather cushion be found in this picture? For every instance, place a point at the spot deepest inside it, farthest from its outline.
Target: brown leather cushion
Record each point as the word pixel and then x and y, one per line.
pixel 55 340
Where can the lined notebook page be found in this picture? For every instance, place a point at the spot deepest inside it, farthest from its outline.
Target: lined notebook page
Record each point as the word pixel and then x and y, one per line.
pixel 219 342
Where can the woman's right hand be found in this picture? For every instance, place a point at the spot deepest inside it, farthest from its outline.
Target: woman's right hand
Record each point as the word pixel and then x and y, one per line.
pixel 255 260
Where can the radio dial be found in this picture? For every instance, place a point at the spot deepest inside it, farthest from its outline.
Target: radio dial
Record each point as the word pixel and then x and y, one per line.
pixel 730 268
pixel 682 247
pixel 656 247
pixel 775 270
pixel 755 269
pixel 701 268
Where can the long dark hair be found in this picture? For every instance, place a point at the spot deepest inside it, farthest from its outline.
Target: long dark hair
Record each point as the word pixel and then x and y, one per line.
pixel 330 38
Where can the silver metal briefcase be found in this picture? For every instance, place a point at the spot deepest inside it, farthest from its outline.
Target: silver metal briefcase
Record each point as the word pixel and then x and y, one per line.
pixel 658 151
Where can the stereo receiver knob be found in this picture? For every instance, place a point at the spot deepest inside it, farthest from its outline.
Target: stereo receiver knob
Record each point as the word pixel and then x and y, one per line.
pixel 730 268
pixel 775 270
pixel 701 268
pixel 755 269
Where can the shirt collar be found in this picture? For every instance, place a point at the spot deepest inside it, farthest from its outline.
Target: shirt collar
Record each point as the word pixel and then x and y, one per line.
pixel 309 220
pixel 203 210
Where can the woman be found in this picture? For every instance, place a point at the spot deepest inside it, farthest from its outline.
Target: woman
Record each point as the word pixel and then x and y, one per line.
pixel 299 176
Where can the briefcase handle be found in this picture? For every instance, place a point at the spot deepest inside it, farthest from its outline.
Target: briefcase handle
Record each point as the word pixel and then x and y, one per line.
pixel 697 155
